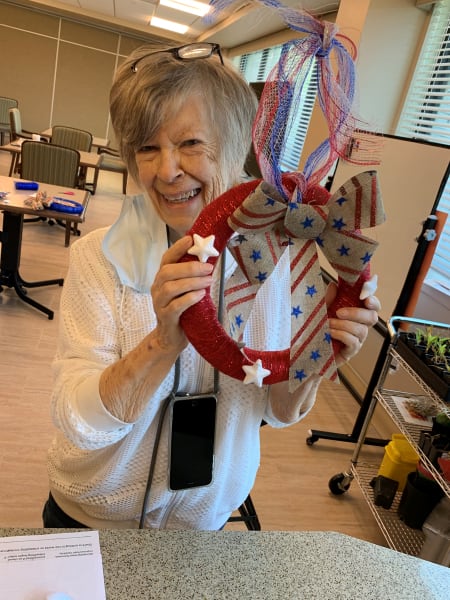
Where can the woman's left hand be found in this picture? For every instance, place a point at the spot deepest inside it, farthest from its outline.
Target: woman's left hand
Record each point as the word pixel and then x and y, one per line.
pixel 352 325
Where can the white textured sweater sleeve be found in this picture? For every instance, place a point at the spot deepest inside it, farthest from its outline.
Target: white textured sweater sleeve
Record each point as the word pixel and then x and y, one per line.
pixel 90 407
pixel 88 342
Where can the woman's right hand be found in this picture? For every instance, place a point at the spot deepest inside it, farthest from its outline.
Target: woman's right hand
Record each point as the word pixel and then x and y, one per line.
pixel 177 286
pixel 126 386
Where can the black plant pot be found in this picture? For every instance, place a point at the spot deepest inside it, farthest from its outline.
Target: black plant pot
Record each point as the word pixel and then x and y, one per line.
pixel 440 371
pixel 418 499
pixel 440 428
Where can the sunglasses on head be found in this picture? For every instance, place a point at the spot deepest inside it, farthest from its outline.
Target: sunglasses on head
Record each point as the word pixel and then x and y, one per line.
pixel 187 52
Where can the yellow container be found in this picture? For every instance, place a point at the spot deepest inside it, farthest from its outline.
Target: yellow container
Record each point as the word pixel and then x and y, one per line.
pixel 399 459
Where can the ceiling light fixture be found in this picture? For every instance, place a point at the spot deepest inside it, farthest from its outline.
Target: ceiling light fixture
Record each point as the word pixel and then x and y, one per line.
pixel 189 6
pixel 169 25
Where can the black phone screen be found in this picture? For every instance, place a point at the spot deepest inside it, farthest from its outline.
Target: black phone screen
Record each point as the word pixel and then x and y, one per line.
pixel 193 425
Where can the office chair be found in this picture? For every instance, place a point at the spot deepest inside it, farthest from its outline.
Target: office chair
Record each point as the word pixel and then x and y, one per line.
pixel 5 105
pixel 56 165
pixel 77 139
pixel 110 161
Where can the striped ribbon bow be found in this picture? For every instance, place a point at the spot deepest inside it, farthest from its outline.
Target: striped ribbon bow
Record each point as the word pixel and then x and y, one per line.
pixel 268 226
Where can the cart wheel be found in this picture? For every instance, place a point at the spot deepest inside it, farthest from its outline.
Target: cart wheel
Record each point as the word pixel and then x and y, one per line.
pixel 339 483
pixel 312 438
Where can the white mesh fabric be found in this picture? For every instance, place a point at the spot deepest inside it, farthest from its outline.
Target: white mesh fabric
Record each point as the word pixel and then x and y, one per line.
pixel 269 325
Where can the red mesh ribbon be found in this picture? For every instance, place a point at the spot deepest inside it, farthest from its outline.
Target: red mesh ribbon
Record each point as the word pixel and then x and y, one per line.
pixel 269 226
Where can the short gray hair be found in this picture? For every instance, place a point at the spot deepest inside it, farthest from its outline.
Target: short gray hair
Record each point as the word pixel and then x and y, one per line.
pixel 141 101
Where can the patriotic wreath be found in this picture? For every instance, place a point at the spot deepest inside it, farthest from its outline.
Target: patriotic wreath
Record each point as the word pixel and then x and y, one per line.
pixel 281 227
pixel 290 212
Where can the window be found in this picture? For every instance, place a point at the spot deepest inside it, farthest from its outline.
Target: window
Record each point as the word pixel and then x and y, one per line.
pixel 256 67
pixel 426 115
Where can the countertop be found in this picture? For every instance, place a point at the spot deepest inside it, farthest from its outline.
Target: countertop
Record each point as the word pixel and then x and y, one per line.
pixel 228 565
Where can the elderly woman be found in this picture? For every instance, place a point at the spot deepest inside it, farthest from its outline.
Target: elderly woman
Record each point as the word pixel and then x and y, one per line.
pixel 183 118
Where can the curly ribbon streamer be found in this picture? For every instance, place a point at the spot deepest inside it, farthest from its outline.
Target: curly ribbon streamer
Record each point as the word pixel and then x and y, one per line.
pixel 269 226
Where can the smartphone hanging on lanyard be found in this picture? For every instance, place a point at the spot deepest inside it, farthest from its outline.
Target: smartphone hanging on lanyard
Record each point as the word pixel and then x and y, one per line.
pixel 192 430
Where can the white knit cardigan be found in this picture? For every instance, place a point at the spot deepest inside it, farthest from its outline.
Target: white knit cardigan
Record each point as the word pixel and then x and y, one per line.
pixel 98 465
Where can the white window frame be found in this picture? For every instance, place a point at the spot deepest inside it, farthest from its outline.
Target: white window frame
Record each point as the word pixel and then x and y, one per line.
pixel 426 115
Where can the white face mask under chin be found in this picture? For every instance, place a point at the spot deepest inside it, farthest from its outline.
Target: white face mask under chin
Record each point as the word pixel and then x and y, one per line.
pixel 136 242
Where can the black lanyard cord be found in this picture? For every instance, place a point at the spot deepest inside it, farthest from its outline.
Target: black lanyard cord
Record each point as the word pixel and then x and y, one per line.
pixel 167 401
pixel 151 471
pixel 220 312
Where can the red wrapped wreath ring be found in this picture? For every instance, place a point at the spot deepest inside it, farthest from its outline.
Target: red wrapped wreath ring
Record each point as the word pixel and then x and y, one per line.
pixel 200 321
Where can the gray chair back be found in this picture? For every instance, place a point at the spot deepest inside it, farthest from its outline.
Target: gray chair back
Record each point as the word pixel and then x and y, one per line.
pixel 5 105
pixel 70 137
pixel 48 163
pixel 16 132
pixel 15 123
pixel 110 161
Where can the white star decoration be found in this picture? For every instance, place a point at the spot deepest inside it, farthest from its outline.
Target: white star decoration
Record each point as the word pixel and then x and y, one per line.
pixel 255 373
pixel 203 247
pixel 369 287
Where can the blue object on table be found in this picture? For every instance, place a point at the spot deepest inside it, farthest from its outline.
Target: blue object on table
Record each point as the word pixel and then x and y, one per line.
pixel 26 185
pixel 65 205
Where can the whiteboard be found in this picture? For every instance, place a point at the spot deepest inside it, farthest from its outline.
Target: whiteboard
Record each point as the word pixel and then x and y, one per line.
pixel 410 174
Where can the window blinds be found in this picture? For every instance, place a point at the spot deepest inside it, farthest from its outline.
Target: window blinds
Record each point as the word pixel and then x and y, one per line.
pixel 426 115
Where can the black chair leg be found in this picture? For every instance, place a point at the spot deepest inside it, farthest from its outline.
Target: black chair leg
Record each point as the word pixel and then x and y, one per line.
pixel 35 219
pixel 248 515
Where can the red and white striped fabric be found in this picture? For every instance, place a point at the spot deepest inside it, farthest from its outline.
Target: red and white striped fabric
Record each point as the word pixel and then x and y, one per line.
pixel 267 226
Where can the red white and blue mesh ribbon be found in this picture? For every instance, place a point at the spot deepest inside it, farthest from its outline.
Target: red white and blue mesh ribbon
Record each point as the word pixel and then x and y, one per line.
pixel 285 84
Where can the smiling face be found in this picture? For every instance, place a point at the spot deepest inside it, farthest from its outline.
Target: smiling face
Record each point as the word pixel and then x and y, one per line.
pixel 177 166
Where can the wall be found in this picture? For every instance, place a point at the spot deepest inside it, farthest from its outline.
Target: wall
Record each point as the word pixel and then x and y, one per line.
pixel 389 39
pixel 433 304
pixel 390 42
pixel 59 70
pixel 388 53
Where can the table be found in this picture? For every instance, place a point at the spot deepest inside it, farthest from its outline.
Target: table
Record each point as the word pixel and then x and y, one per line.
pixel 96 141
pixel 87 159
pixel 14 209
pixel 269 565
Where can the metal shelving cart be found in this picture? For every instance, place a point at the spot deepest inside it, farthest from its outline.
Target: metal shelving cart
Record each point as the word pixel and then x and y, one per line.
pixel 398 535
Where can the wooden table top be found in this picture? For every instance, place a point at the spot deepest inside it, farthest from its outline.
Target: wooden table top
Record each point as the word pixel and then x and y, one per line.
pixel 14 201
